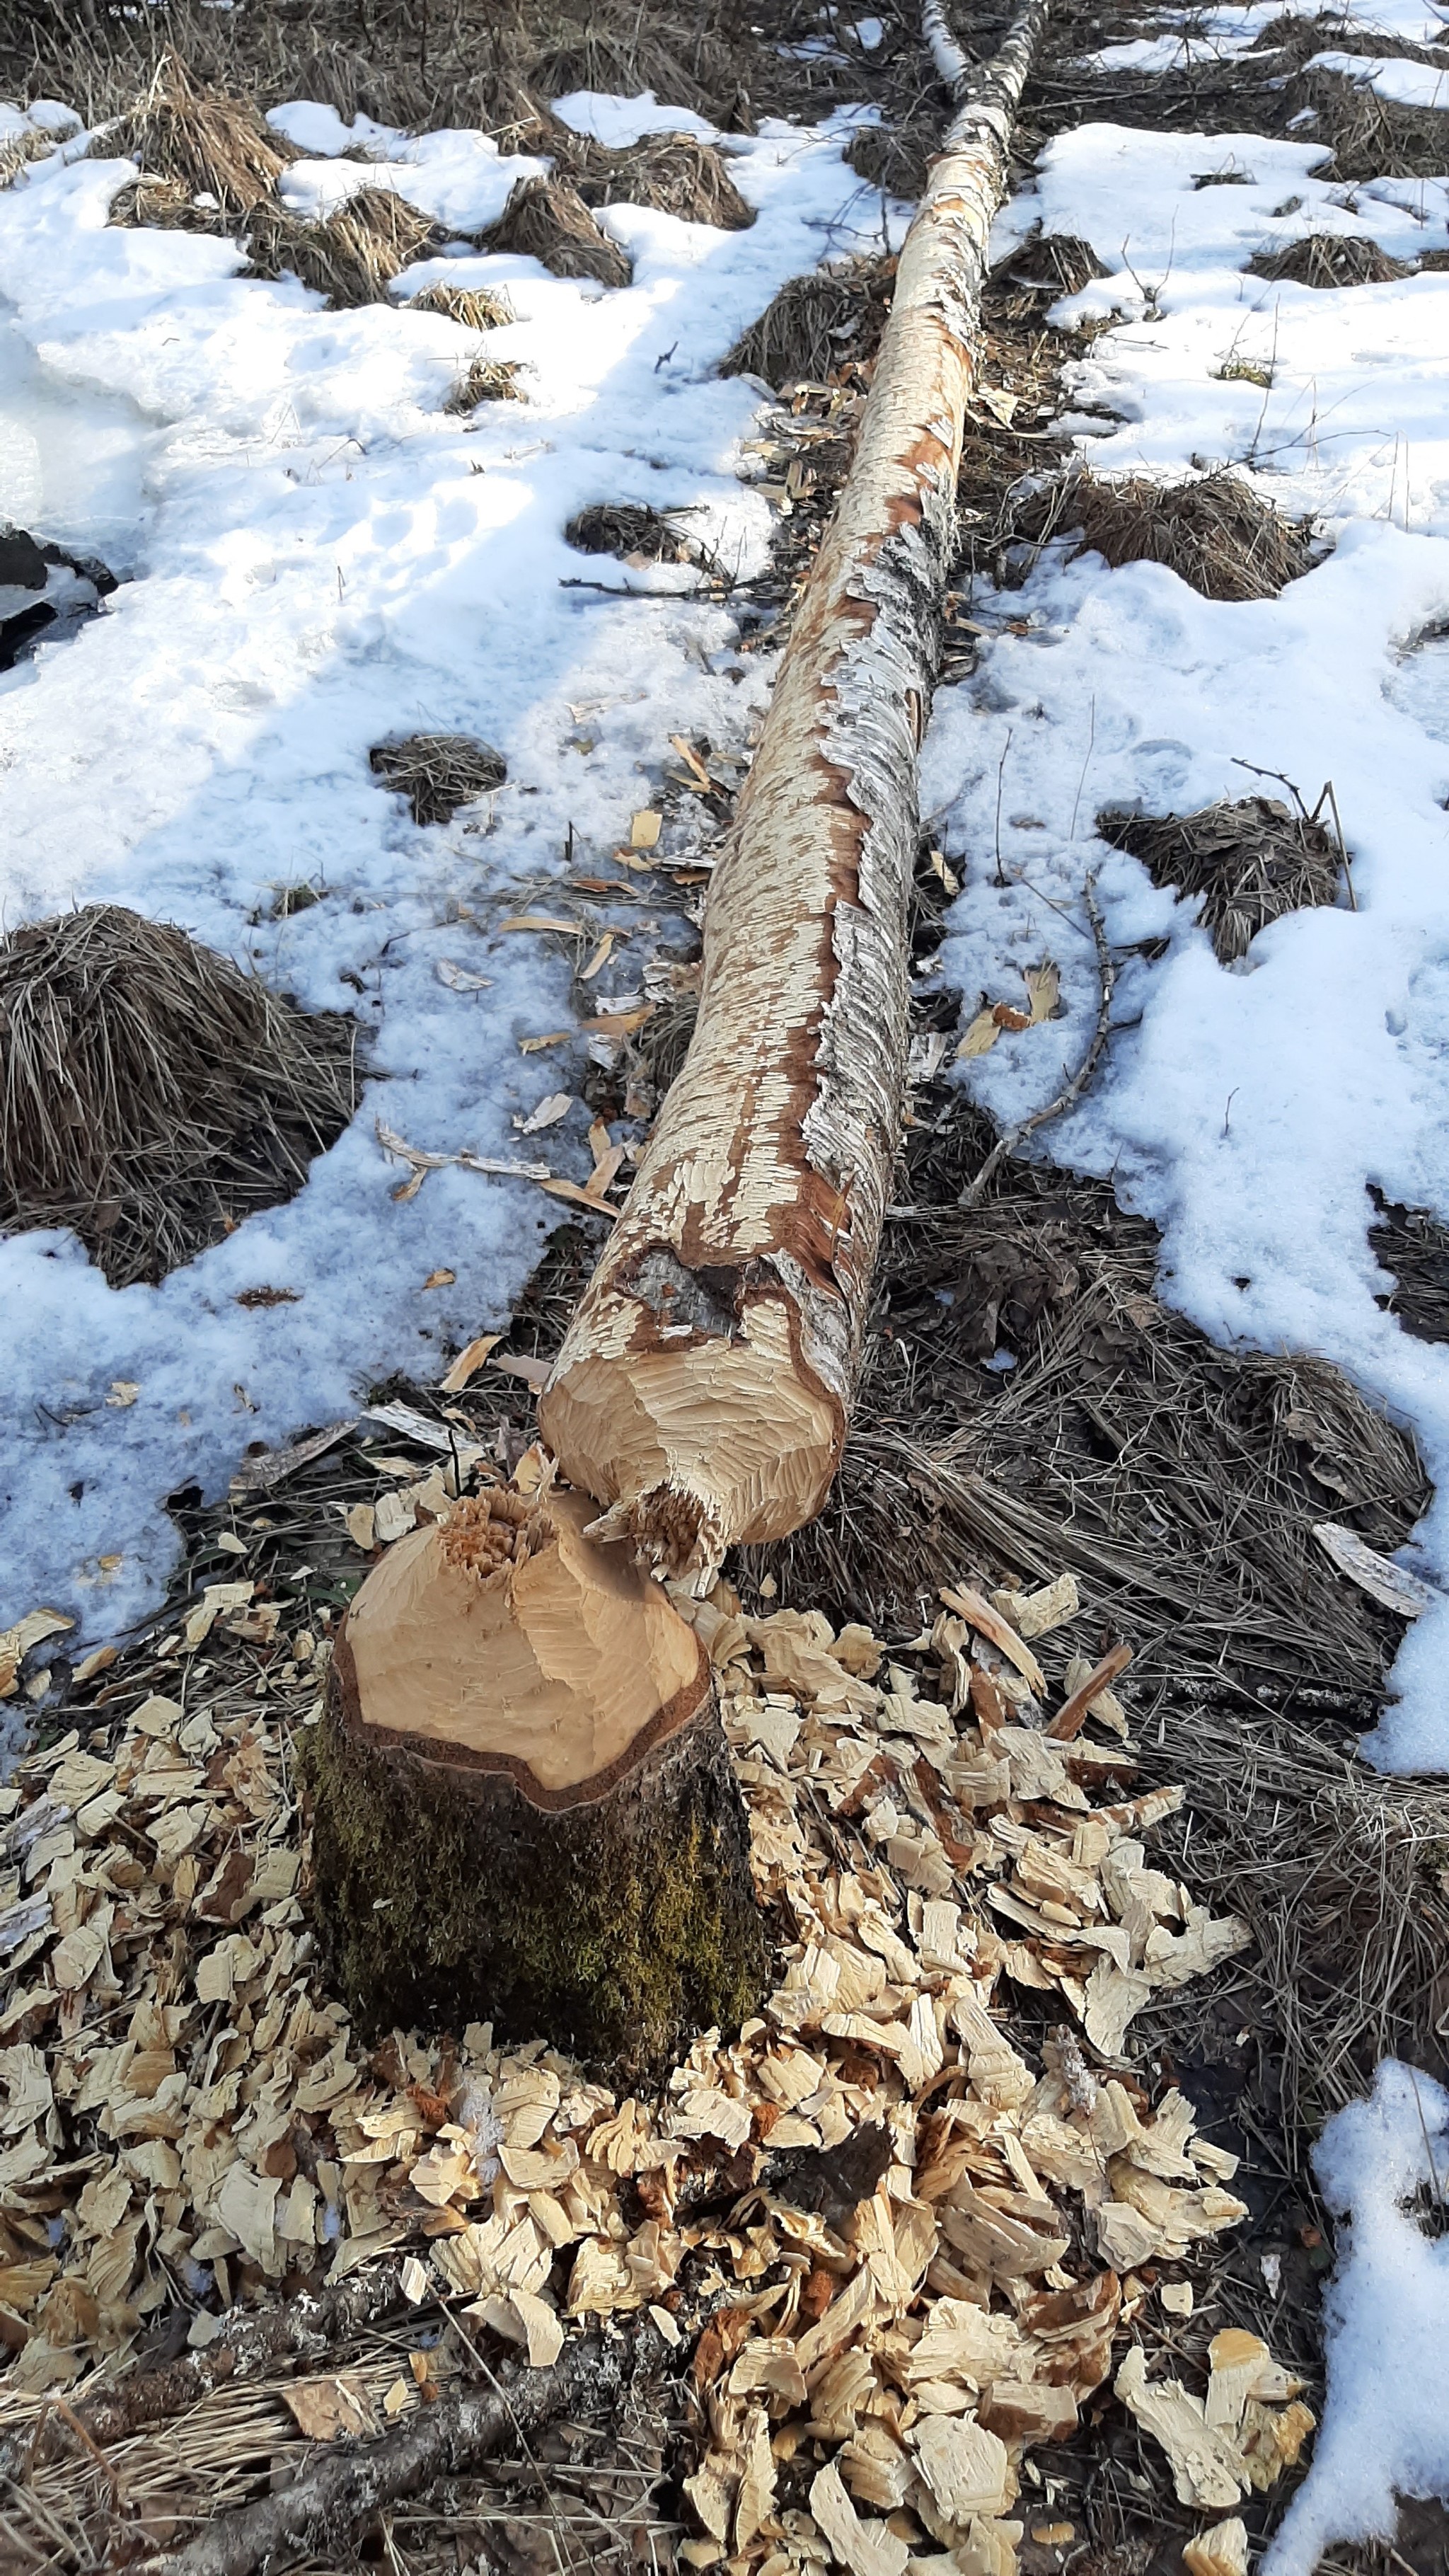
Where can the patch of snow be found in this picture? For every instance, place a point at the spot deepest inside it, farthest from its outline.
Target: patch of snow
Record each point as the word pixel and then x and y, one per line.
pixel 459 178
pixel 1406 84
pixel 1385 2428
pixel 1245 1110
pixel 620 121
pixel 320 556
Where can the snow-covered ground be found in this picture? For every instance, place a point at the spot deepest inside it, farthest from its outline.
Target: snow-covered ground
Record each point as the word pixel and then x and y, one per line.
pixel 1245 1109
pixel 317 556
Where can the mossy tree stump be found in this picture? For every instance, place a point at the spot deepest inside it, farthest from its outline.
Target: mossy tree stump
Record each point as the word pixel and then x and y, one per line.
pixel 525 1806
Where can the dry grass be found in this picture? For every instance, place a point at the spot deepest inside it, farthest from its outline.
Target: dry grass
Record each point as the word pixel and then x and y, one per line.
pixel 1056 261
pixel 1248 862
pixel 153 1093
pixel 487 380
pixel 629 529
pixel 674 173
pixel 198 141
pixel 1371 137
pixel 1329 259
pixel 17 151
pixel 817 324
pixel 547 220
pixel 164 205
pixel 897 157
pixel 438 772
pixel 354 255
pixel 1215 531
pixel 477 308
pixel 1413 1247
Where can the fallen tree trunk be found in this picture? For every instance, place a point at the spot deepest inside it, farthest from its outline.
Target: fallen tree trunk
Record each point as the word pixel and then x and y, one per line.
pixel 525 1810
pixel 703 1390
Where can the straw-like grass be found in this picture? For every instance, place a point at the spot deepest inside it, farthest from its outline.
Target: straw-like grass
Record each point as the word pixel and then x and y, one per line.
pixel 1058 261
pixel 626 50
pixel 478 308
pixel 353 256
pixel 677 174
pixel 18 150
pixel 629 529
pixel 1330 259
pixel 153 1094
pixel 547 220
pixel 438 772
pixel 1215 531
pixel 1413 1247
pixel 1372 137
pixel 897 155
pixel 817 324
pixel 199 140
pixel 1248 862
pixel 487 380
pixel 164 206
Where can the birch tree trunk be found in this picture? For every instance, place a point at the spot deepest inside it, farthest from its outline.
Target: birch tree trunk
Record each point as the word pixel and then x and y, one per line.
pixel 704 1388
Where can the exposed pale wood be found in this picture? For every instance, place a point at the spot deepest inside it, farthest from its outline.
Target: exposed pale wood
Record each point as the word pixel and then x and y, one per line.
pixel 525 1810
pixel 704 1387
pixel 503 1641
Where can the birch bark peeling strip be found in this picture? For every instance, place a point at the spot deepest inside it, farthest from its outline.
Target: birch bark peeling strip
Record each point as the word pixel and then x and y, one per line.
pixel 703 1390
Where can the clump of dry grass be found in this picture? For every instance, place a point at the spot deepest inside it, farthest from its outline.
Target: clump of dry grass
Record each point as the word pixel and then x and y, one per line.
pixel 1215 531
pixel 478 308
pixel 18 150
pixel 437 772
pixel 816 324
pixel 1328 259
pixel 487 380
pixel 353 256
pixel 589 47
pixel 629 529
pixel 1371 137
pixel 896 156
pixel 1249 862
pixel 153 1094
pixel 547 220
pixel 199 141
pixel 1057 261
pixel 677 174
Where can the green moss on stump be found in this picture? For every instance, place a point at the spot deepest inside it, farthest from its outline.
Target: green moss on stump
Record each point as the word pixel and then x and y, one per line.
pixel 615 1931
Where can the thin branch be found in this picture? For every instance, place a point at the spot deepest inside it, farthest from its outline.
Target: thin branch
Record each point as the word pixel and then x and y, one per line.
pixel 1010 1137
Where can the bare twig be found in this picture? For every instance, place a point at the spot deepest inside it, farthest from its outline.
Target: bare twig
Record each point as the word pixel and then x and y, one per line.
pixel 1010 1137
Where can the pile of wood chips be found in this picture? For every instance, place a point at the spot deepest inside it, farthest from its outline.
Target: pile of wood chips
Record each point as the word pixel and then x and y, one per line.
pixel 913 2255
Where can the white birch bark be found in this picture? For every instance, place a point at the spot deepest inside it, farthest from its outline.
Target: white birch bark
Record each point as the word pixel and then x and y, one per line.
pixel 703 1390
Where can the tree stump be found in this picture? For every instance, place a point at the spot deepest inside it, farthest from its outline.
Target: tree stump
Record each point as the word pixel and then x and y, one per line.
pixel 525 1809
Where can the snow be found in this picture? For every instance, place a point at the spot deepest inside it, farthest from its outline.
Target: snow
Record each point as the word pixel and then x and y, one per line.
pixel 1245 1110
pixel 1407 84
pixel 319 556
pixel 618 122
pixel 1385 2428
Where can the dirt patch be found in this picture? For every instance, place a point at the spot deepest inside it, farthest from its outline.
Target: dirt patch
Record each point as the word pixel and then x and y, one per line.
pixel 817 324
pixel 155 1095
pixel 1215 531
pixel 547 220
pixel 1248 862
pixel 438 772
pixel 1329 259
pixel 353 256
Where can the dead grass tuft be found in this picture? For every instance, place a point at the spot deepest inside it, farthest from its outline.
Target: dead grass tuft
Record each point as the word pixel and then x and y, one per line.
pixel 354 255
pixel 1328 259
pixel 154 1093
pixel 590 47
pixel 1058 261
pixel 199 141
pixel 676 174
pixel 438 772
pixel 18 150
pixel 896 156
pixel 630 530
pixel 1413 1247
pixel 1371 137
pixel 165 206
pixel 487 380
pixel 817 324
pixel 1249 862
pixel 1215 532
pixel 477 308
pixel 547 220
